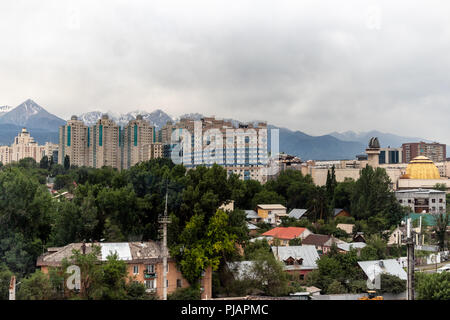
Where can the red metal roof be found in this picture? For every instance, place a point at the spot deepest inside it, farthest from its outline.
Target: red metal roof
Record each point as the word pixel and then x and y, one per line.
pixel 287 233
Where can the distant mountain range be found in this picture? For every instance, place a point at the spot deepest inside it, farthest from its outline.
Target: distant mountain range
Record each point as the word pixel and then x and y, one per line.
pixel 44 127
pixel 157 118
pixel 386 139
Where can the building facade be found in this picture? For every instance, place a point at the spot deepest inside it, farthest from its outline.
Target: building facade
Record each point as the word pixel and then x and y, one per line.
pixel 241 149
pixel 436 152
pixel 144 264
pixel 107 144
pixel 422 200
pixel 24 146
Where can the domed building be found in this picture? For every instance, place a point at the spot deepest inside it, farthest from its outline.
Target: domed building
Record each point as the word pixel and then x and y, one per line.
pixel 421 168
pixel 421 172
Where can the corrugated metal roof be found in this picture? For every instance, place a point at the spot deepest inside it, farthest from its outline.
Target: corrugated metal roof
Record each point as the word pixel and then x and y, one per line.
pixel 251 226
pixel 297 213
pixel 272 206
pixel 373 268
pixel 251 214
pixel 121 248
pixel 348 246
pixel 306 252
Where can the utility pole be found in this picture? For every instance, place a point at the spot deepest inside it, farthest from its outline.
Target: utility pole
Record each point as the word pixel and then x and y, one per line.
pixel 164 220
pixel 12 288
pixel 410 260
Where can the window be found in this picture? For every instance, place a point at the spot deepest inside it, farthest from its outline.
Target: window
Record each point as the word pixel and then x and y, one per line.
pixel 433 200
pixel 150 284
pixel 150 268
pixel 302 277
pixel 440 200
pixel 167 283
pixel 135 269
pixel 179 283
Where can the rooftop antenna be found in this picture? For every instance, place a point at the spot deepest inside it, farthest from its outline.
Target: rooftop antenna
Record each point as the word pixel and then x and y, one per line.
pixel 164 220
pixel 410 260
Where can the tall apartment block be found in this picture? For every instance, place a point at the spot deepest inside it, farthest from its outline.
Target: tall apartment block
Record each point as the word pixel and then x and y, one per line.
pixel 436 152
pixel 104 141
pixel 107 144
pixel 73 142
pixel 242 150
pixel 138 140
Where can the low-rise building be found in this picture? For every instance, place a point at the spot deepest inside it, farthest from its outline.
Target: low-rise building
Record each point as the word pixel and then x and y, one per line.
pixel 297 213
pixel 322 242
pixel 286 234
pixel 271 213
pixel 422 200
pixel 144 264
pixel 299 260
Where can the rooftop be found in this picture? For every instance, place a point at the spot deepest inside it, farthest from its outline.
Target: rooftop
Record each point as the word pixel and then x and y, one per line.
pixel 285 233
pixel 127 251
pixel 306 252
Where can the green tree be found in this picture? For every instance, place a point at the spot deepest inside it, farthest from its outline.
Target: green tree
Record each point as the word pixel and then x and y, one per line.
pixel 433 286
pixel 373 198
pixel 269 275
pixel 91 271
pixel 5 277
pixel 392 284
pixel 44 163
pixel 442 221
pixel 35 287
pixel 67 162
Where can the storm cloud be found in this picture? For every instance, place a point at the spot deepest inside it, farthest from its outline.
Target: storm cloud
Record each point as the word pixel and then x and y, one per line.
pixel 314 66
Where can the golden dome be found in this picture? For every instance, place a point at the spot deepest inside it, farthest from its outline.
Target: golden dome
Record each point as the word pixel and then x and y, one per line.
pixel 422 168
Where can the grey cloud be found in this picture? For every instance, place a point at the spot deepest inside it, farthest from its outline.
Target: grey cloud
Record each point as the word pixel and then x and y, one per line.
pixel 314 66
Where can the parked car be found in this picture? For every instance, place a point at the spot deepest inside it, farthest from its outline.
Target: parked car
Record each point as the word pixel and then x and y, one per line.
pixel 445 268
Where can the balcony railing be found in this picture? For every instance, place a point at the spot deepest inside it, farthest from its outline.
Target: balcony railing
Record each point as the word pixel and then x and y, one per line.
pixel 149 275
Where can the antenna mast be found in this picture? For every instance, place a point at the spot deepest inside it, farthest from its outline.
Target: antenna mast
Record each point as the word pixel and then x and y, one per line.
pixel 164 220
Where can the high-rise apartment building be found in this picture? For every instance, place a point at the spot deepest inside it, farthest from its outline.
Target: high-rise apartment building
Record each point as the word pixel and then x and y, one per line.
pixel 138 138
pixel 107 144
pixel 24 146
pixel 436 152
pixel 242 150
pixel 104 149
pixel 73 142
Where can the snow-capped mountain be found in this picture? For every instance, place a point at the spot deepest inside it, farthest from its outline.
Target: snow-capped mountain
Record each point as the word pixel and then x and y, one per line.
pixel 158 118
pixel 31 115
pixel 5 109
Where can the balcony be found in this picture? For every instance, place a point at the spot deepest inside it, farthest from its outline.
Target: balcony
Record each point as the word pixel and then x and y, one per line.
pixel 149 275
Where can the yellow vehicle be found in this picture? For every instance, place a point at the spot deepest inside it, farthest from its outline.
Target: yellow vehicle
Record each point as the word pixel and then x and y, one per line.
pixel 372 295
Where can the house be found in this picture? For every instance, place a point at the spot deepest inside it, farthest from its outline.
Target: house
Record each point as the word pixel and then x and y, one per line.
pixel 285 234
pixel 299 260
pixel 346 247
pixel 322 242
pixel 144 264
pixel 359 237
pixel 337 212
pixel 297 213
pixel 347 227
pixel 271 213
pixel 398 236
pixel 252 216
pixel 252 229
pixel 373 268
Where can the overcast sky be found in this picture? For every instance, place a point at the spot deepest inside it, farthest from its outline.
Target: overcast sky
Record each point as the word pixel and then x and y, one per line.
pixel 314 66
